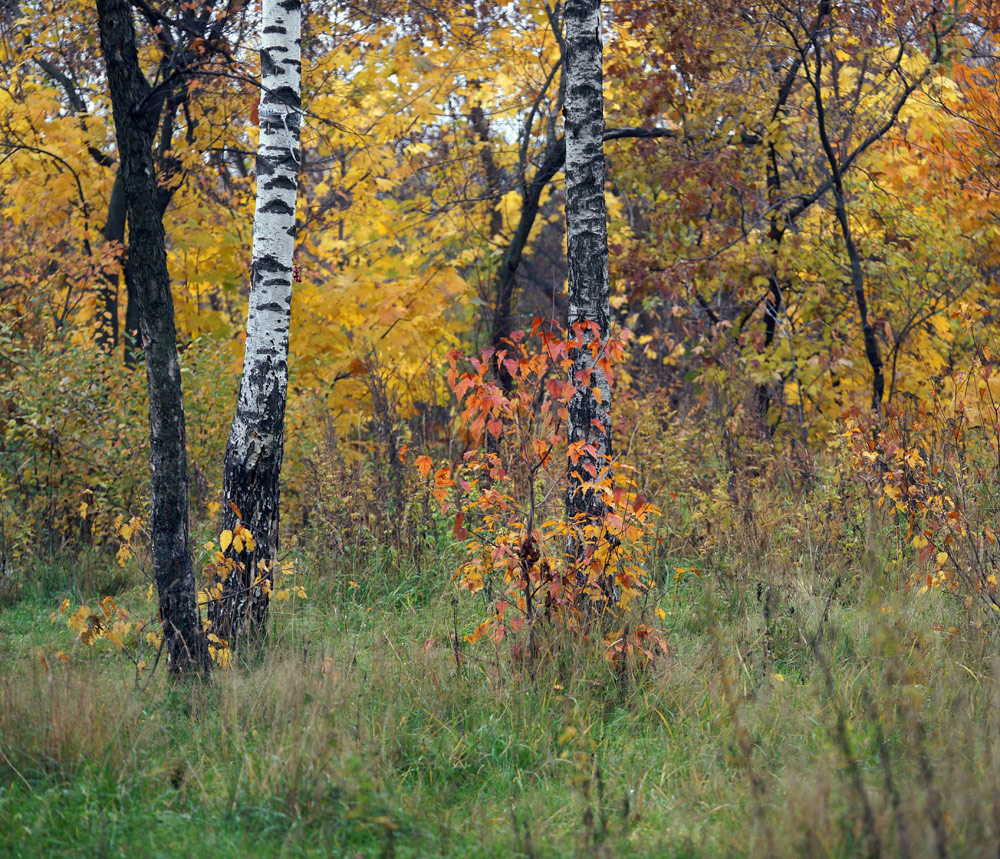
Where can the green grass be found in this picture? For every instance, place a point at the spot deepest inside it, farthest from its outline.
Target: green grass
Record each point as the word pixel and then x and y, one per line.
pixel 355 733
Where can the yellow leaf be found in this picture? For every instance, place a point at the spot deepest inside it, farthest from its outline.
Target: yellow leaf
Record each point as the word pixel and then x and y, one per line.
pixel 225 539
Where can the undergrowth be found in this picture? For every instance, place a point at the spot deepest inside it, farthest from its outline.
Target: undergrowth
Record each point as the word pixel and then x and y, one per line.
pixel 809 705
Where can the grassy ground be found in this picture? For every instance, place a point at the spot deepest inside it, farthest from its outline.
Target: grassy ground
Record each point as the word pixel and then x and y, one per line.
pixel 809 706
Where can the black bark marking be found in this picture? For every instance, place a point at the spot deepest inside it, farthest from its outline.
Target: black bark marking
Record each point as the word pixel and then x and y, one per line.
pixel 267 66
pixel 282 183
pixel 268 263
pixel 278 207
pixel 287 95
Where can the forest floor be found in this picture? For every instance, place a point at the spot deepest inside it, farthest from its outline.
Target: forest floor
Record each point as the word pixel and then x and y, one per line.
pixel 810 704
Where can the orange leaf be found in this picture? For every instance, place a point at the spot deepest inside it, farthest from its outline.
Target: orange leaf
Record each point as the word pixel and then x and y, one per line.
pixel 424 465
pixel 443 477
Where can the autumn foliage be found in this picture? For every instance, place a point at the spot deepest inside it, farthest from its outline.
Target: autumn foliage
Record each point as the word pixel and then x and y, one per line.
pixel 514 479
pixel 431 217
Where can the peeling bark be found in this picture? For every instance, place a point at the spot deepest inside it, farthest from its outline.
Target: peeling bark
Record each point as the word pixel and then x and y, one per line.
pixel 184 641
pixel 256 441
pixel 587 250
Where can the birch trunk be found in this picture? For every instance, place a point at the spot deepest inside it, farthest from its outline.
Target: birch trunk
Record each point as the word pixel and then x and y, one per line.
pixel 256 440
pixel 135 127
pixel 587 250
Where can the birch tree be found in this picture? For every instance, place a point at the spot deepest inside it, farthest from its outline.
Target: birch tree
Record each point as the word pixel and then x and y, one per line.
pixel 256 440
pixel 135 115
pixel 587 250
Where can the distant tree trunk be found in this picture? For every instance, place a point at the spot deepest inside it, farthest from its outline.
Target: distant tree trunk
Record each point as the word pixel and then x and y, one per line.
pixel 587 251
pixel 501 325
pixel 114 231
pixel 132 339
pixel 184 640
pixel 257 438
pixel 872 351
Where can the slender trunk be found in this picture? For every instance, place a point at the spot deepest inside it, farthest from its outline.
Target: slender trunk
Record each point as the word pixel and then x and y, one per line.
pixel 872 351
pixel 481 127
pixel 257 438
pixel 133 351
pixel 554 161
pixel 777 224
pixel 107 293
pixel 500 328
pixel 184 640
pixel 589 286
pixel 774 300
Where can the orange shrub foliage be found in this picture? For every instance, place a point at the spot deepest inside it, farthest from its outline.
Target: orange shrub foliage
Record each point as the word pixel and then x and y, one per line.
pixel 512 482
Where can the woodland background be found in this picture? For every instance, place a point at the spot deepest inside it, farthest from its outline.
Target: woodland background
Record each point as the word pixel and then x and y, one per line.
pixel 802 233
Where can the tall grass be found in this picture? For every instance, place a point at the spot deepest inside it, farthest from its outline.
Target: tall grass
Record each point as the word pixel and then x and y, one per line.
pixel 809 705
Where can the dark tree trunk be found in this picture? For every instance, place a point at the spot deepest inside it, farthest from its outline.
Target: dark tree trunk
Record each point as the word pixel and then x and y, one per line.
pixel 872 351
pixel 114 231
pixel 777 223
pixel 184 640
pixel 133 341
pixel 587 251
pixel 506 276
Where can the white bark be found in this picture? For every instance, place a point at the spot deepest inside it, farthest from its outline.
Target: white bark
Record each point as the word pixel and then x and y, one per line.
pixel 256 441
pixel 265 361
pixel 587 249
